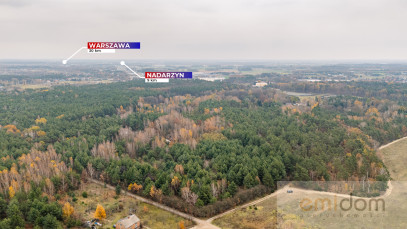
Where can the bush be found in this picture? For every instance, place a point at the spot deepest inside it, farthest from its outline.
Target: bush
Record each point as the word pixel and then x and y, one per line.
pixel 118 189
pixel 71 194
pixel 199 203
pixel 73 222
pixel 84 194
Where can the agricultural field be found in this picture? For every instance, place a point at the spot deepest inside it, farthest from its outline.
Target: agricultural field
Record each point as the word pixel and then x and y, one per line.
pixel 121 206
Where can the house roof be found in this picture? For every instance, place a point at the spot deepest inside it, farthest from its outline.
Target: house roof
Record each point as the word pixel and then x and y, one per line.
pixel 128 221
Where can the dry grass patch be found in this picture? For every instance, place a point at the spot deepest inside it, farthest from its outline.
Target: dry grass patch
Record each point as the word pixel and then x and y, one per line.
pixel 119 207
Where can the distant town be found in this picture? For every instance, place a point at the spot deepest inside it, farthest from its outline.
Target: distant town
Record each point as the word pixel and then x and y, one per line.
pixel 32 75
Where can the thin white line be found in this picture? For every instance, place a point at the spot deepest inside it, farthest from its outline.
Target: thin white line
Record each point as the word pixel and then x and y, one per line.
pixel 66 60
pixel 122 63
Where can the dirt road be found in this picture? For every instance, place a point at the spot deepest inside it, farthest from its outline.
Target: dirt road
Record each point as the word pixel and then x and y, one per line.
pixel 384 146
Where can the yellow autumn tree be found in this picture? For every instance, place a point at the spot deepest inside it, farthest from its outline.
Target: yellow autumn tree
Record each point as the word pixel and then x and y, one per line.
pixel 181 225
pixel 67 210
pixel 175 182
pixel 315 105
pixel 41 121
pixel 358 103
pixel 134 187
pixel 11 192
pixel 35 128
pixel 122 109
pixel 100 212
pixel 373 111
pixel 130 187
pixel 152 191
pixel 61 116
pixel 11 129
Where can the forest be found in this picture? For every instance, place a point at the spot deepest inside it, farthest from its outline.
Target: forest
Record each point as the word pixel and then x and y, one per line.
pixel 200 147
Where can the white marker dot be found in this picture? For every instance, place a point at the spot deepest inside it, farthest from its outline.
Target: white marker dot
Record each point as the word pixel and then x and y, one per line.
pixel 122 63
pixel 64 61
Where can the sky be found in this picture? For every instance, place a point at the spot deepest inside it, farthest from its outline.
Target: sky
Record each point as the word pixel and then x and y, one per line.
pixel 207 29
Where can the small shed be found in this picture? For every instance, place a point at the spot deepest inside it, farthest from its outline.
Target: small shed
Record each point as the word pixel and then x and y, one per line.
pixel 130 222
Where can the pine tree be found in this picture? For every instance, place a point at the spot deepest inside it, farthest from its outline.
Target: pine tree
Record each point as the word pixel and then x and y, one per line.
pixel 50 222
pixel 15 215
pixel 232 188
pixel 248 181
pixel 268 180
pixel 118 189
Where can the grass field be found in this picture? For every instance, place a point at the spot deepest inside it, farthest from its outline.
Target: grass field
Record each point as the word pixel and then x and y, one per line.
pixel 317 216
pixel 263 215
pixel 117 208
pixel 395 158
